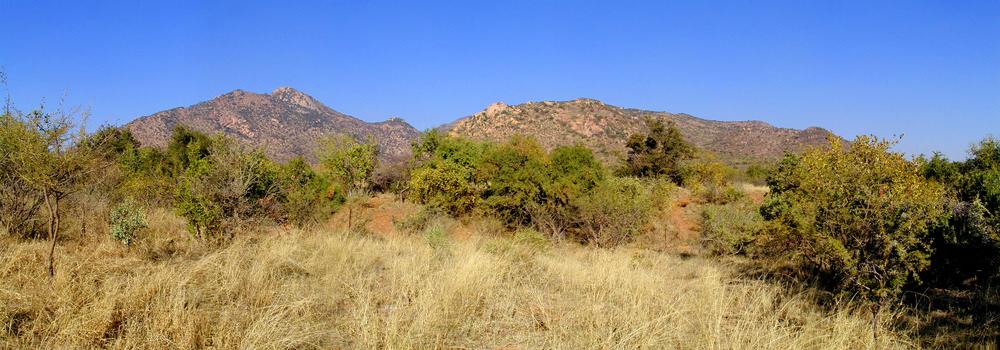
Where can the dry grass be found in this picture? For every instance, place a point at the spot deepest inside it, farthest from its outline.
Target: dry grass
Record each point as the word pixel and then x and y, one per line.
pixel 295 289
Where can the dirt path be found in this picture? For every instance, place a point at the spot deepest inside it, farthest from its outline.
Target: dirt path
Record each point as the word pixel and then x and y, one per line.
pixel 378 214
pixel 684 219
pixel 676 229
pixel 684 215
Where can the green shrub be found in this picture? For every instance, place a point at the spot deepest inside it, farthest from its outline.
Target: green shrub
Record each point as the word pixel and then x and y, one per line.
pixel 437 238
pixel 231 188
pixel 446 185
pixel 615 211
pixel 730 228
pixel 392 178
pixel 658 153
pixel 967 245
pixel 349 163
pixel 531 239
pixel 757 173
pixel 126 220
pixel 706 177
pixel 418 221
pixel 306 196
pixel 857 217
pixel 515 177
pixel 572 172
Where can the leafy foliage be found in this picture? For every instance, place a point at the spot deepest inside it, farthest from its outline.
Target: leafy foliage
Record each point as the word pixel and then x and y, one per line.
pixel 572 172
pixel 231 187
pixel 707 177
pixel 968 244
pixel 658 153
pixel 615 211
pixel 307 197
pixel 730 228
pixel 445 184
pixel 515 177
pixel 125 220
pixel 857 216
pixel 43 159
pixel 348 162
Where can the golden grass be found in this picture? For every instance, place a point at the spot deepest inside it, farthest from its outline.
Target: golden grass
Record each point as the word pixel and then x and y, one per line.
pixel 295 289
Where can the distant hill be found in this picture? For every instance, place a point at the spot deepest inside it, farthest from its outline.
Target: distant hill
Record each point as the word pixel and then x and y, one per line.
pixel 606 128
pixel 285 123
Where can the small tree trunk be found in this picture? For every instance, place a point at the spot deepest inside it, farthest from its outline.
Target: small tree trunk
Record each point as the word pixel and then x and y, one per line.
pixel 350 214
pixel 52 202
pixel 875 313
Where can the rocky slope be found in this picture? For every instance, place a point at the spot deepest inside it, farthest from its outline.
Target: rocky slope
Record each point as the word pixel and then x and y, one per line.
pixel 606 128
pixel 285 123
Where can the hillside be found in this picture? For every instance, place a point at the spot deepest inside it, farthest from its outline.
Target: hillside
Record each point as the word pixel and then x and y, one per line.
pixel 285 123
pixel 606 128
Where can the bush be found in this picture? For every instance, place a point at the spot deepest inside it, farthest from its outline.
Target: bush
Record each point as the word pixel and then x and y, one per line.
pixel 515 175
pixel 348 162
pixel 615 211
pixel 437 238
pixel 20 201
pixel 967 245
pixel 658 153
pixel 706 176
pixel 392 178
pixel 730 228
pixel 418 221
pixel 125 220
pixel 572 172
pixel 230 188
pixel 306 197
pixel 856 216
pixel 446 185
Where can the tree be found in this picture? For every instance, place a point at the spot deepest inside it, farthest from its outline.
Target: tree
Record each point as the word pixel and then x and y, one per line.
pixel 658 153
pixel 231 187
pixel 857 216
pixel 45 156
pixel 19 199
pixel 348 162
pixel 186 147
pixel 572 172
pixel 307 197
pixel 446 185
pixel 515 176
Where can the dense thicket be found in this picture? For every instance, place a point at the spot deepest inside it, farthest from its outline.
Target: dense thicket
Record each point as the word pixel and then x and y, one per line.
pixel 522 185
pixel 857 217
pixel 967 245
pixel 658 152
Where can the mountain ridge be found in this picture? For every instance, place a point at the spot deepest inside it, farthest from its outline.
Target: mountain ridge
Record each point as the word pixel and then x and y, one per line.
pixel 285 122
pixel 605 128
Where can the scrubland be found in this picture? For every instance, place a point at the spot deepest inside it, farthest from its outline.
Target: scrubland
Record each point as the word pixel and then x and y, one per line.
pixel 328 288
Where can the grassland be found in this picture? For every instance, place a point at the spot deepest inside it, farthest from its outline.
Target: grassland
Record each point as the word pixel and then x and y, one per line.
pixel 453 285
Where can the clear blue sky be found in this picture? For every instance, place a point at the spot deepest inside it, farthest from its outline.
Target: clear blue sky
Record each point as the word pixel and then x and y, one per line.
pixel 926 69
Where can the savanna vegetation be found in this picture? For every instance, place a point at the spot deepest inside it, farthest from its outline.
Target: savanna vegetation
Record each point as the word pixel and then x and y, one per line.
pixel 470 244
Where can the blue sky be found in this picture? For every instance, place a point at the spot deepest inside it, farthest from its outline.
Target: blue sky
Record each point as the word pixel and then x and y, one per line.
pixel 929 70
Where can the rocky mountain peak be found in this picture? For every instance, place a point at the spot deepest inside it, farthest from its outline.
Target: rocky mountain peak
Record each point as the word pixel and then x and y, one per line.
pixel 295 97
pixel 285 123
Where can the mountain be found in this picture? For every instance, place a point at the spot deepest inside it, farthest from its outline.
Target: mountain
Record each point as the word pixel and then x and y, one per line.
pixel 285 123
pixel 605 129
